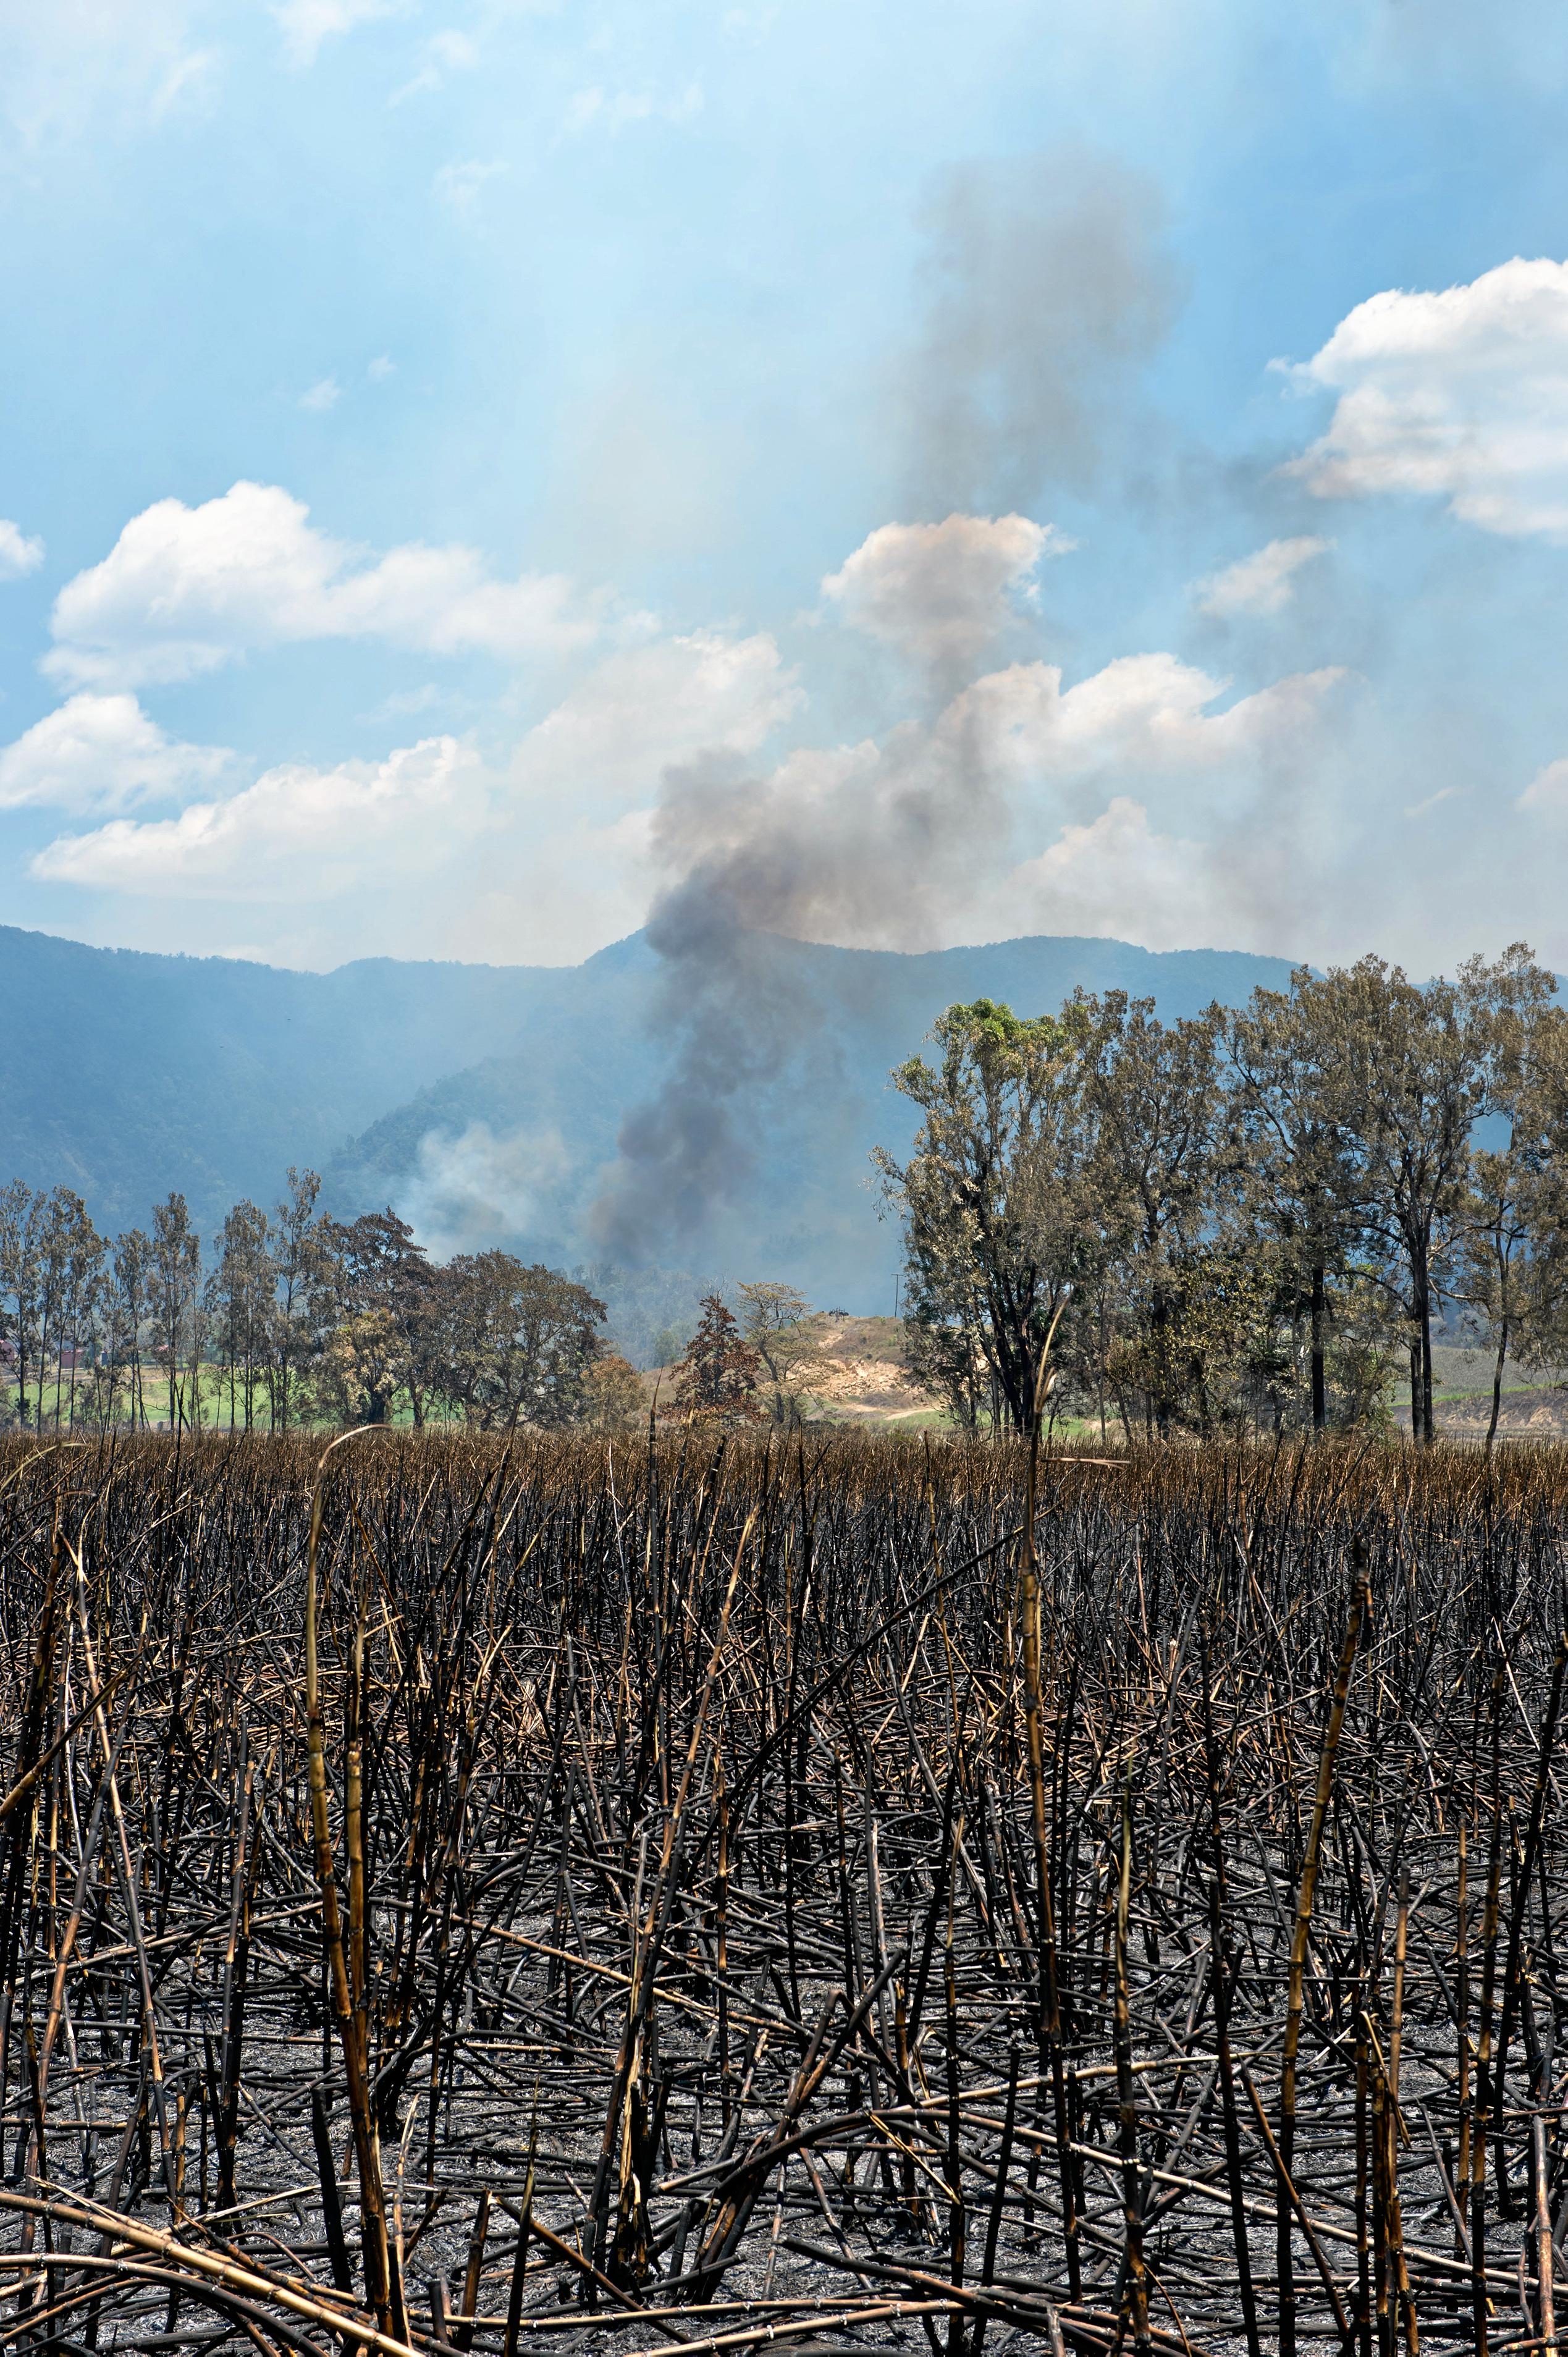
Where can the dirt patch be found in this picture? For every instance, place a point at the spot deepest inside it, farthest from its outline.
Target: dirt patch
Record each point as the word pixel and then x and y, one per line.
pixel 1540 1413
pixel 858 1373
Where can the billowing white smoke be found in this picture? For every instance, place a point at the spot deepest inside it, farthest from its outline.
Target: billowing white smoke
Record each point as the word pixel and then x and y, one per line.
pixel 467 1192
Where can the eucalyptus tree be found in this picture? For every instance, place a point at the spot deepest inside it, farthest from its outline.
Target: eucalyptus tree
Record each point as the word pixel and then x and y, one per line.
pixel 21 1273
pixel 294 1256
pixel 240 1300
pixel 173 1267
pixel 1511 1262
pixel 1161 1164
pixel 1003 1197
pixel 1299 1169
pixel 85 1285
pixel 1413 1068
pixel 130 1310
pixel 71 1262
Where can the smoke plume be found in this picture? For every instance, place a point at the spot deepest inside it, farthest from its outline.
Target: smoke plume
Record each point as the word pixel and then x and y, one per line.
pixel 814 852
pixel 1043 291
pixel 1046 290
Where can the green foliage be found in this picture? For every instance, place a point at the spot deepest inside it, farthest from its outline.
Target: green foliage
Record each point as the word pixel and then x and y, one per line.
pixel 511 1343
pixel 1240 1218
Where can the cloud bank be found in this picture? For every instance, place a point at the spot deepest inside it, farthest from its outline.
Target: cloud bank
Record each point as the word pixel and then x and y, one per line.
pixel 186 590
pixel 299 833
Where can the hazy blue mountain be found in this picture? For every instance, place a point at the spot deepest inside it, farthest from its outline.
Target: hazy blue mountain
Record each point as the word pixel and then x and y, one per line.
pixel 484 1102
pixel 124 1074
pixel 511 1148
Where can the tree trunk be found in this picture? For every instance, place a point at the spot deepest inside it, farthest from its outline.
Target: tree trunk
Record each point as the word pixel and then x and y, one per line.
pixel 1497 1383
pixel 1162 1399
pixel 1428 1429
pixel 1319 1382
pixel 1421 1351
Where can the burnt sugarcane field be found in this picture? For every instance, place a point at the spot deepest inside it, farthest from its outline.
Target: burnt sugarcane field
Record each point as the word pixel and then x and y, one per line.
pixel 472 1896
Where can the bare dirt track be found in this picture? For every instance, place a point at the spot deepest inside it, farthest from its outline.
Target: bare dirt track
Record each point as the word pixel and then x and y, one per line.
pixel 711 1895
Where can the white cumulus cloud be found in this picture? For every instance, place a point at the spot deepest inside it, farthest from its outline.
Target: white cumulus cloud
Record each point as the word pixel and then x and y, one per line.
pixel 18 553
pixel 185 590
pixel 1118 878
pixel 323 395
pixel 100 752
pixel 1460 395
pixel 1264 582
pixel 299 833
pixel 942 593
pixel 1137 715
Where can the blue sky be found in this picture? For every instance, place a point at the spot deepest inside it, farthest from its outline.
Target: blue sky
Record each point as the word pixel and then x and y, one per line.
pixel 467 468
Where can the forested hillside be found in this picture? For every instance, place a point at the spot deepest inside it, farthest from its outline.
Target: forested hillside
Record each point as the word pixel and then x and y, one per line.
pixel 125 1075
pixel 509 1149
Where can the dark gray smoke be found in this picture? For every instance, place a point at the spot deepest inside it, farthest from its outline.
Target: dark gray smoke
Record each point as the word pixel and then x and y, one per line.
pixel 755 862
pixel 1043 292
pixel 1046 291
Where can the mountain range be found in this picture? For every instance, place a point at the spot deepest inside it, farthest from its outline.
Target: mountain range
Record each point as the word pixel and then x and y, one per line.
pixel 484 1103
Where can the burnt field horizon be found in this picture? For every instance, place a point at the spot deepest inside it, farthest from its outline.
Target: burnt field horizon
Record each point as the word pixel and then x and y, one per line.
pixel 478 1896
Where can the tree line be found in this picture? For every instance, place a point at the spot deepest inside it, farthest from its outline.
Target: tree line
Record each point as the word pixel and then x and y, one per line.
pixel 300 1317
pixel 1248 1217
